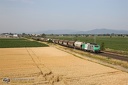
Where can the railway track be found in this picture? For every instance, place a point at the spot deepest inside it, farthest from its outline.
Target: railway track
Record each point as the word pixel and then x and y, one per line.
pixel 109 55
pixel 113 55
pixel 104 53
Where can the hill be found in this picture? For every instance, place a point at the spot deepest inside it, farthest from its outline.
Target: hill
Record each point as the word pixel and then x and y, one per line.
pixel 94 31
pixel 103 31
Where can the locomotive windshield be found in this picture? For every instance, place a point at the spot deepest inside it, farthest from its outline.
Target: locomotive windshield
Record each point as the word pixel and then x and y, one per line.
pixel 96 46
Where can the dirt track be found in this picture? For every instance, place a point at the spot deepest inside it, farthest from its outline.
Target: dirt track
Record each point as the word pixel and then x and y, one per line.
pixel 50 66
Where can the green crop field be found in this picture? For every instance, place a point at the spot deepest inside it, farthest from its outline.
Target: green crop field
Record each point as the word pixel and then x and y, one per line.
pixel 12 43
pixel 115 43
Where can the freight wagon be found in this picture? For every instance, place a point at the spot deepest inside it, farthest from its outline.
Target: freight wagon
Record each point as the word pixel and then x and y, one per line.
pixel 71 44
pixel 91 47
pixel 56 41
pixel 78 44
pixel 60 42
pixel 65 42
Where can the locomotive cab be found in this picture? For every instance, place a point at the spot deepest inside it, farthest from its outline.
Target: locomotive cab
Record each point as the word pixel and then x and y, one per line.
pixel 96 48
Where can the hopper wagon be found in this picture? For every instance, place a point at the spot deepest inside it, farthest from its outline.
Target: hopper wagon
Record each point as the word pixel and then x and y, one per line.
pixel 56 41
pixel 60 42
pixel 46 39
pixel 71 44
pixel 78 45
pixel 41 39
pixel 65 42
pixel 36 38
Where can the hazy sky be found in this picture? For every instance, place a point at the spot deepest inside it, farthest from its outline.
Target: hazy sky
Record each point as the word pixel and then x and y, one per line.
pixel 40 15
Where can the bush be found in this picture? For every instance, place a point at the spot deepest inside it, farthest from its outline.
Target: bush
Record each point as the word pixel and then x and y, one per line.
pixel 102 46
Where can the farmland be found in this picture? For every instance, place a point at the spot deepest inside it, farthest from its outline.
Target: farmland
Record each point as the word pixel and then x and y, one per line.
pixel 50 66
pixel 115 43
pixel 12 43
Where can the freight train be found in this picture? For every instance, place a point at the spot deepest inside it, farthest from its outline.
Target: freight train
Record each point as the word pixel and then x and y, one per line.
pixel 91 47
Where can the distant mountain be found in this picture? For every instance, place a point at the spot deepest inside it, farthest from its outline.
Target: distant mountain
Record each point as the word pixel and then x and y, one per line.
pixel 103 31
pixel 94 31
pixel 65 31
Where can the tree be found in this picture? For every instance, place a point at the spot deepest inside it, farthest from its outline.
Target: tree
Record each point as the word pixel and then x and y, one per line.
pixel 102 46
pixel 43 35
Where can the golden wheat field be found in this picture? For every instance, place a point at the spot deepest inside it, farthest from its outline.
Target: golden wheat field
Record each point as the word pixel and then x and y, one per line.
pixel 50 66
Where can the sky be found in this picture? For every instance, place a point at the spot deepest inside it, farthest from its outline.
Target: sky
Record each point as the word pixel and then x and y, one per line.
pixel 83 15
